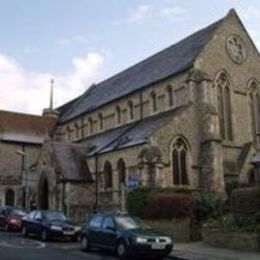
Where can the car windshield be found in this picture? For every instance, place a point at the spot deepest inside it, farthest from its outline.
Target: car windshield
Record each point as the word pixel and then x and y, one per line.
pixel 18 212
pixel 127 222
pixel 51 216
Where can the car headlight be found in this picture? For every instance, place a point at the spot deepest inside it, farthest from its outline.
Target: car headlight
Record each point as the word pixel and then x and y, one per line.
pixel 13 221
pixel 77 228
pixel 53 227
pixel 141 240
pixel 168 240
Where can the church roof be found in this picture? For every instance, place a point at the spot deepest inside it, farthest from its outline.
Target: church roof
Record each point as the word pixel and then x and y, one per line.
pixel 71 161
pixel 129 135
pixel 171 61
pixel 25 128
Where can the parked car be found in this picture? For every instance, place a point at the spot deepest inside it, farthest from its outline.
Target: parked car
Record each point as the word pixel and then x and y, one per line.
pixel 11 218
pixel 124 234
pixel 49 224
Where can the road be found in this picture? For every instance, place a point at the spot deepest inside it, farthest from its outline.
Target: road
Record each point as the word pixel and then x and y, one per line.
pixel 13 246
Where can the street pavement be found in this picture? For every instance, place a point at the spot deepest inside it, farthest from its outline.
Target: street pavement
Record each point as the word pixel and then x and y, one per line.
pixel 13 246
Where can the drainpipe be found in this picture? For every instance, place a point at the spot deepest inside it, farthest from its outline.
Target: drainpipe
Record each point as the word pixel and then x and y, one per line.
pixel 64 208
pixel 97 184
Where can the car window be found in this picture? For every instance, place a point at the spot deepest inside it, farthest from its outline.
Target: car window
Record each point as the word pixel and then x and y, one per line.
pixel 96 222
pixel 38 215
pixel 54 215
pixel 108 223
pixel 127 222
pixel 18 212
pixel 31 215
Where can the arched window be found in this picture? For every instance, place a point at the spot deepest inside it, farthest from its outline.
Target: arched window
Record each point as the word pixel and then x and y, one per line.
pixel 69 133
pixel 77 130
pixel 118 115
pixel 131 110
pixel 9 197
pixel 84 127
pixel 108 175
pixel 90 123
pixel 100 118
pixel 254 106
pixel 170 96
pixel 224 106
pixel 221 112
pixel 180 163
pixel 228 114
pixel 251 177
pixel 153 101
pixel 121 172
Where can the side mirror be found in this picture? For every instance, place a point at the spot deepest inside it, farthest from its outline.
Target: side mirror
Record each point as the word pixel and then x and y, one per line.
pixel 111 228
pixel 38 219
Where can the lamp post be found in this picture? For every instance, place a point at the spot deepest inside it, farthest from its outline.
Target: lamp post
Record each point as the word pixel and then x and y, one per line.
pixel 24 176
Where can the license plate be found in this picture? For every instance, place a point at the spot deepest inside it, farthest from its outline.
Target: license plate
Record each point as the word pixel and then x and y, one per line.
pixel 68 233
pixel 157 246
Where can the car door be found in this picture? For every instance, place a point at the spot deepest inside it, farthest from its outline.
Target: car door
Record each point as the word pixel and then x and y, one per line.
pixel 107 232
pixel 37 223
pixel 28 222
pixel 2 217
pixel 94 230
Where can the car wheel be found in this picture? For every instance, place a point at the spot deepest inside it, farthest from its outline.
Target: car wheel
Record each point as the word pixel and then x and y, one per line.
pixel 74 239
pixel 121 250
pixel 24 231
pixel 6 227
pixel 84 244
pixel 44 235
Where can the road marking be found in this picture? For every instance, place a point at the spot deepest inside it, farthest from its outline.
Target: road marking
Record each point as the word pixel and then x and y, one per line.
pixel 23 244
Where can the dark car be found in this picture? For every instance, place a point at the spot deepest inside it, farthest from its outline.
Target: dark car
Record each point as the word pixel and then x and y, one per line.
pixel 11 218
pixel 48 224
pixel 124 234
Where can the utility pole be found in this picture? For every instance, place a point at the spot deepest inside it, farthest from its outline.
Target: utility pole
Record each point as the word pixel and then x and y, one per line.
pixel 24 176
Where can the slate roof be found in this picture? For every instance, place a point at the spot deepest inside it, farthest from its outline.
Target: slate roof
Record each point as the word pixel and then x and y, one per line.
pixel 70 159
pixel 25 128
pixel 171 61
pixel 129 135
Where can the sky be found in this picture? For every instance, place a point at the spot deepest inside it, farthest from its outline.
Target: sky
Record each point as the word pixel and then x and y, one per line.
pixel 81 42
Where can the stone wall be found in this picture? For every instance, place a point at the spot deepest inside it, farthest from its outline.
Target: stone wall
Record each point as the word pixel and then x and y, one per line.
pixel 178 229
pixel 11 167
pixel 235 240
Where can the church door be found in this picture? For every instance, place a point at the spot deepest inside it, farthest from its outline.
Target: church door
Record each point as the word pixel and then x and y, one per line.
pixel 9 197
pixel 43 198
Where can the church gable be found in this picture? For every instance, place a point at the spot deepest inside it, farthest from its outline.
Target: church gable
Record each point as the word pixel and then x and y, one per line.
pixel 231 49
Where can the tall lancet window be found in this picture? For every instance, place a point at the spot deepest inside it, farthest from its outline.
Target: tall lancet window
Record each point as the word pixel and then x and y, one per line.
pixel 153 101
pixel 90 124
pixel 180 162
pixel 169 94
pixel 131 110
pixel 254 107
pixel 101 123
pixel 224 106
pixel 118 115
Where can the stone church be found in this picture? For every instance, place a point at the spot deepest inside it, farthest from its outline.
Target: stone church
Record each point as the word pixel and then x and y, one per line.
pixel 186 117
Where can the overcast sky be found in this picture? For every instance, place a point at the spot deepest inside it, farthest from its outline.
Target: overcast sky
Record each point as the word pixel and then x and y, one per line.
pixel 78 42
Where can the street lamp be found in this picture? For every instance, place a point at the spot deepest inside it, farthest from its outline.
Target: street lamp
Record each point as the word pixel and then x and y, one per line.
pixel 24 176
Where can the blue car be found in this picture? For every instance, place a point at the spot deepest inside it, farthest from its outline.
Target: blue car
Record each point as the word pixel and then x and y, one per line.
pixel 124 234
pixel 48 224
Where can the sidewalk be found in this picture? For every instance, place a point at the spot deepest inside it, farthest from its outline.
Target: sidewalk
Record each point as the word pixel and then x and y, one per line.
pixel 200 251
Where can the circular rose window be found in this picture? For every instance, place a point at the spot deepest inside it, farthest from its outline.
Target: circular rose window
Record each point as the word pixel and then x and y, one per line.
pixel 236 48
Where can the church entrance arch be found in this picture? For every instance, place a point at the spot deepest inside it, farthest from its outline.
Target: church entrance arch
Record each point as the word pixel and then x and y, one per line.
pixel 9 197
pixel 43 193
